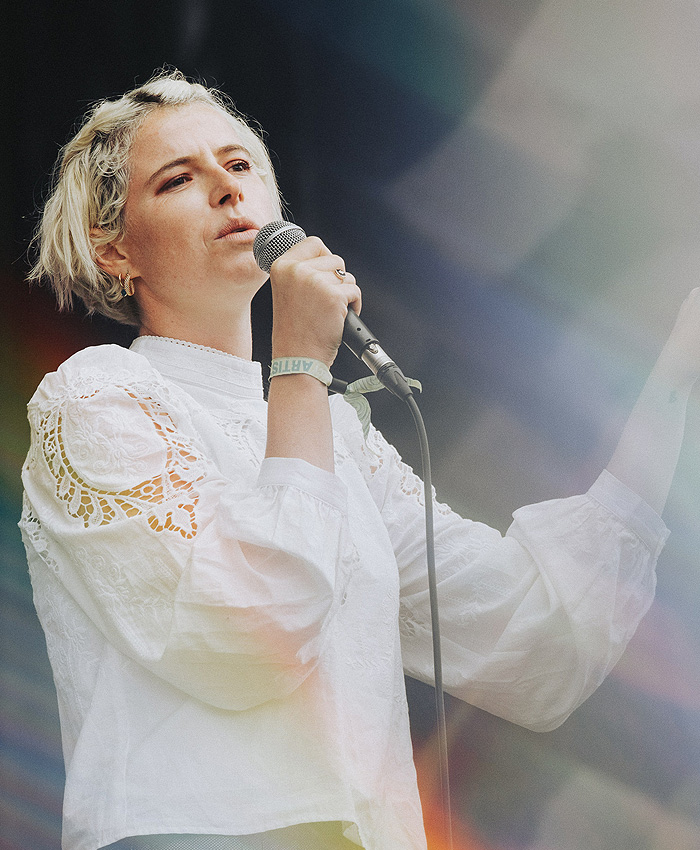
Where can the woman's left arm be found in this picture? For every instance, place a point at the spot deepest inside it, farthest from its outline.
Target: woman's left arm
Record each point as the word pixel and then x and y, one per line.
pixel 646 456
pixel 533 622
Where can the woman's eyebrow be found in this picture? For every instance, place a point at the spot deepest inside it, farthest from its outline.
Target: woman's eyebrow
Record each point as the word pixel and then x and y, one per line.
pixel 186 160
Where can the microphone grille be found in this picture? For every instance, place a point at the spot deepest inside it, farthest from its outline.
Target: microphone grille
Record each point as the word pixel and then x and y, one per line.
pixel 273 240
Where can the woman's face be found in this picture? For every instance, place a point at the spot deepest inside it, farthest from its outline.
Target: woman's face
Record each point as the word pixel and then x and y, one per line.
pixel 194 206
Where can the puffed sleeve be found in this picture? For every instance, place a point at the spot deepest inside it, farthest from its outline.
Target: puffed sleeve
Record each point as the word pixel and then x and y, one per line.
pixel 224 588
pixel 533 621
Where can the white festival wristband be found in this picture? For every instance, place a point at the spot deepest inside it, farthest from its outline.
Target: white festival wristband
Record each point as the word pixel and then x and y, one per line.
pixel 301 366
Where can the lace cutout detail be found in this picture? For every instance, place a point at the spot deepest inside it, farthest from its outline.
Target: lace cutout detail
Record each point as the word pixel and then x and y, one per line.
pixel 372 451
pixel 168 499
pixel 412 486
pixel 377 453
pixel 30 525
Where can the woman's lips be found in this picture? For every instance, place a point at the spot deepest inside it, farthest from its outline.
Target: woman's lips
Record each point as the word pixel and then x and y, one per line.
pixel 239 230
pixel 239 236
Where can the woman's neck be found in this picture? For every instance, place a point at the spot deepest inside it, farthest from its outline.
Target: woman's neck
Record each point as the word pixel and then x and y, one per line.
pixel 230 334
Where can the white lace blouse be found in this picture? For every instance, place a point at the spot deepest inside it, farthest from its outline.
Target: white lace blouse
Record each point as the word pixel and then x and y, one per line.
pixel 228 633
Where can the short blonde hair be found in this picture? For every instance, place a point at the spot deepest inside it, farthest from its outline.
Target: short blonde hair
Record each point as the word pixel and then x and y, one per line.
pixel 90 185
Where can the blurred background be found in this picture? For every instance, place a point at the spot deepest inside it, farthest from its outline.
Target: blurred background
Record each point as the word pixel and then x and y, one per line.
pixel 517 188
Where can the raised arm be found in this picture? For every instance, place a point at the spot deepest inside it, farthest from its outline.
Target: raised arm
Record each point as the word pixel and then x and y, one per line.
pixel 309 307
pixel 646 456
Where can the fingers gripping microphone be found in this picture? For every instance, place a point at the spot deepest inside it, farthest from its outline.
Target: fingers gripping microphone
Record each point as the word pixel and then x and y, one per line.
pixel 279 236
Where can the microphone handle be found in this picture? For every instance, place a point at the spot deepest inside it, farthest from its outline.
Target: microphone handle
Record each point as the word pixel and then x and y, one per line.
pixel 365 346
pixel 271 242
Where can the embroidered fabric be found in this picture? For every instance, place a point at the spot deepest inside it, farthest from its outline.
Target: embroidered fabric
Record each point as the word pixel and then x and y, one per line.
pixel 168 498
pixel 228 632
pixel 72 647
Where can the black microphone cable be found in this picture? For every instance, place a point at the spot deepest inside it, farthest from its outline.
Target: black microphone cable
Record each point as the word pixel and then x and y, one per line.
pixel 271 242
pixel 443 765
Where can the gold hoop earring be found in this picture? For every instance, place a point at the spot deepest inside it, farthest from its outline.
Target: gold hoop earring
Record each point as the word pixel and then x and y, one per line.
pixel 127 285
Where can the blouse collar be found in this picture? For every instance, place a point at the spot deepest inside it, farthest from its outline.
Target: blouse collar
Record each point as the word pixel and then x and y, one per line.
pixel 192 365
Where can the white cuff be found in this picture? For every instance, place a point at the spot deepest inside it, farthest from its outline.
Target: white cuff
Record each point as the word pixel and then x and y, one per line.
pixel 631 509
pixel 304 476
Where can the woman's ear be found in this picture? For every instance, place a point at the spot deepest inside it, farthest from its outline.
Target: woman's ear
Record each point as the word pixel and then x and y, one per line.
pixel 110 256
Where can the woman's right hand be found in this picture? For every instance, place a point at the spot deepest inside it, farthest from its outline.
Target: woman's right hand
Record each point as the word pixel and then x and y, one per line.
pixel 310 301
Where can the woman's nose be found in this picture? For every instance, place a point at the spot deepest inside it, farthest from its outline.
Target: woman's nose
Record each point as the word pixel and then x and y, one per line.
pixel 228 189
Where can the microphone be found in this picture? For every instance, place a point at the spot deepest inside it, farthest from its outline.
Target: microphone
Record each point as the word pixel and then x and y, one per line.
pixel 277 237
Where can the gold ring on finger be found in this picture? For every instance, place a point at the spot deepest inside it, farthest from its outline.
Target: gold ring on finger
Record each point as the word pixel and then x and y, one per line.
pixel 339 273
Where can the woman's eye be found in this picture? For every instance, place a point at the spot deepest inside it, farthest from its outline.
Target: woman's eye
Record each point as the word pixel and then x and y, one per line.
pixel 240 165
pixel 180 180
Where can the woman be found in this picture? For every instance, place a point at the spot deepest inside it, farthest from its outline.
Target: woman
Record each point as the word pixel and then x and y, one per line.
pixel 232 589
